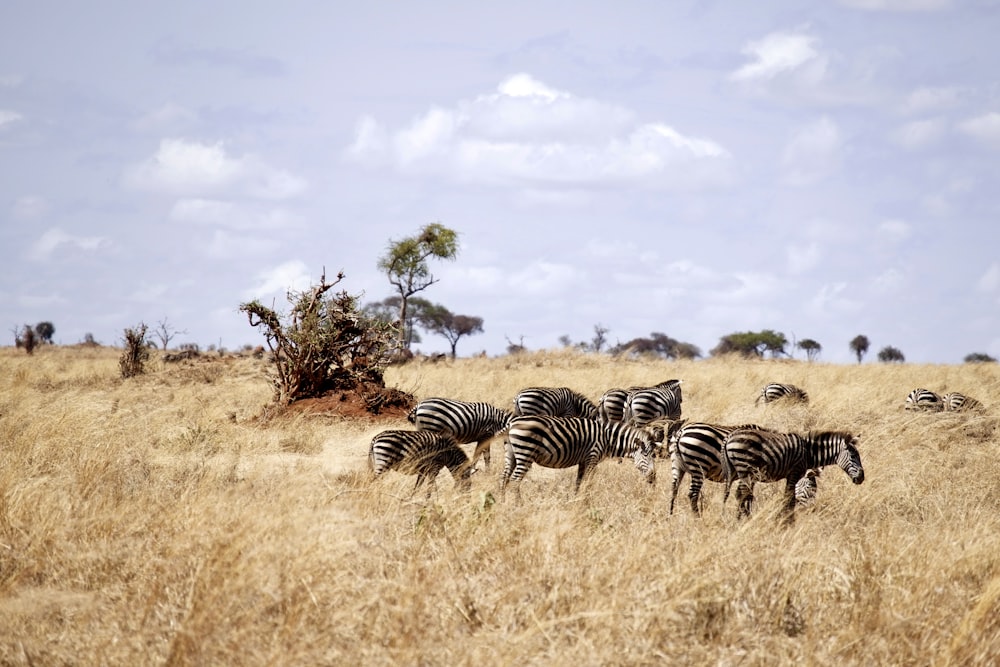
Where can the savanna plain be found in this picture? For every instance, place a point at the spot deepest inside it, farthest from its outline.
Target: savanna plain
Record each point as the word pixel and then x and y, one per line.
pixel 178 518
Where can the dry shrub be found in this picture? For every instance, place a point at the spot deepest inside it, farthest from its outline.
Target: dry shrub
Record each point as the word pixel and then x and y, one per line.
pixel 160 521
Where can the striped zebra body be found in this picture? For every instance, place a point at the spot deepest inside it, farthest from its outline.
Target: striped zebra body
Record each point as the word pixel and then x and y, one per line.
pixel 956 402
pixel 924 399
pixel 611 407
pixel 466 422
pixel 420 453
pixel 751 456
pixel 696 449
pixel 807 488
pixel 554 442
pixel 647 405
pixel 553 402
pixel 777 391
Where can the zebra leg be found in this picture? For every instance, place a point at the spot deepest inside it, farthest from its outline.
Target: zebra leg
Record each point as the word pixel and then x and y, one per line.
pixel 788 510
pixel 581 472
pixel 694 493
pixel 744 497
pixel 678 477
pixel 483 450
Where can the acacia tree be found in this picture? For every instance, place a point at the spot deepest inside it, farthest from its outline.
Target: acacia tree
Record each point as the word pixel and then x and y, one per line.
pixel 387 310
pixel 891 354
pixel 811 347
pixel 439 320
pixel 859 346
pixel 405 264
pixel 979 358
pixel 165 332
pixel 752 344
pixel 45 331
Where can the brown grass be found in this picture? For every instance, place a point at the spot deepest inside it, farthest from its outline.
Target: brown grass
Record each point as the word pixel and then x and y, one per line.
pixel 161 520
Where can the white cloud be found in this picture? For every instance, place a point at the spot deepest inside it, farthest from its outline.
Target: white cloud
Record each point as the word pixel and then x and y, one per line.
pixel 812 153
pixel 984 128
pixel 919 133
pixel 889 281
pixel 226 245
pixel 781 53
pixel 289 276
pixel 929 99
pixel 543 277
pixel 831 300
pixel 895 230
pixel 239 216
pixel 898 5
pixel 990 280
pixel 190 168
pixel 168 116
pixel 7 117
pixel 53 238
pixel 802 258
pixel 29 207
pixel 529 134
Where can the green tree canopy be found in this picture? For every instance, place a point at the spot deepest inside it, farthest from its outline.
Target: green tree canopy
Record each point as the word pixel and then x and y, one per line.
pixel 979 358
pixel 891 354
pixel 752 344
pixel 811 348
pixel 45 331
pixel 859 346
pixel 439 320
pixel 405 264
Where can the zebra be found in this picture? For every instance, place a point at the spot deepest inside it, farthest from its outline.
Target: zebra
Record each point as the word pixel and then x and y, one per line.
pixel 420 453
pixel 807 488
pixel 696 449
pixel 467 422
pixel 924 399
pixel 646 405
pixel 555 442
pixel 752 455
pixel 956 402
pixel 611 406
pixel 553 402
pixel 775 391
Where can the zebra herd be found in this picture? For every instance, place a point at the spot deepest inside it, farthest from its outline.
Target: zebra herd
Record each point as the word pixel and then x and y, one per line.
pixel 925 399
pixel 557 427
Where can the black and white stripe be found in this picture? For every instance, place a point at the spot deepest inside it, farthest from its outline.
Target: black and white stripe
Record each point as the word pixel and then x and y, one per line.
pixel 420 453
pixel 647 405
pixel 553 402
pixel 751 456
pixel 554 442
pixel 611 406
pixel 466 422
pixel 956 402
pixel 696 449
pixel 776 391
pixel 924 399
pixel 807 488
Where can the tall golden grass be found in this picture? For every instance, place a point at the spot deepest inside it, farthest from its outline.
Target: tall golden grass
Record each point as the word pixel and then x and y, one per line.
pixel 159 520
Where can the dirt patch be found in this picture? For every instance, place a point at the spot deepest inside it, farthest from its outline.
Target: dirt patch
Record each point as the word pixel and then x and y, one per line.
pixel 371 402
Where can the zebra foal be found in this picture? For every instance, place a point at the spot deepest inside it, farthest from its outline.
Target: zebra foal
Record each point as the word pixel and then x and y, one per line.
pixel 553 402
pixel 752 455
pixel 466 422
pixel 420 453
pixel 776 391
pixel 554 442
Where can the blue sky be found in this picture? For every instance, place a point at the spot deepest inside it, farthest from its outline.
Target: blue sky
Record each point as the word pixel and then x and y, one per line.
pixel 822 169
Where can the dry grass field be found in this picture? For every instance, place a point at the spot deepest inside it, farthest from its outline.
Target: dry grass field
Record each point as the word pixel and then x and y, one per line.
pixel 164 520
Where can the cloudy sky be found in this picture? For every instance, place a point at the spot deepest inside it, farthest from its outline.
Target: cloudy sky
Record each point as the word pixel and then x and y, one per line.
pixel 698 168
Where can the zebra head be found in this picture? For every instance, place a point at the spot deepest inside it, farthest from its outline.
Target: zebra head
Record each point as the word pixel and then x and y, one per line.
pixel 644 455
pixel 849 460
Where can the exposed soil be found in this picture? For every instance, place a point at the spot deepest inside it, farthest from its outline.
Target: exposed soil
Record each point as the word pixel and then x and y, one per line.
pixel 373 402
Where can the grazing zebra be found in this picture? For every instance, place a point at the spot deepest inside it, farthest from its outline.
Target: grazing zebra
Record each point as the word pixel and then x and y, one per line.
pixel 956 402
pixel 467 422
pixel 752 455
pixel 611 407
pixel 924 399
pixel 696 449
pixel 776 391
pixel 420 453
pixel 646 405
pixel 554 442
pixel 553 402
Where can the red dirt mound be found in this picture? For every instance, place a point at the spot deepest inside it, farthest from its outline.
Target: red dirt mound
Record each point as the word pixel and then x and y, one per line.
pixel 372 401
